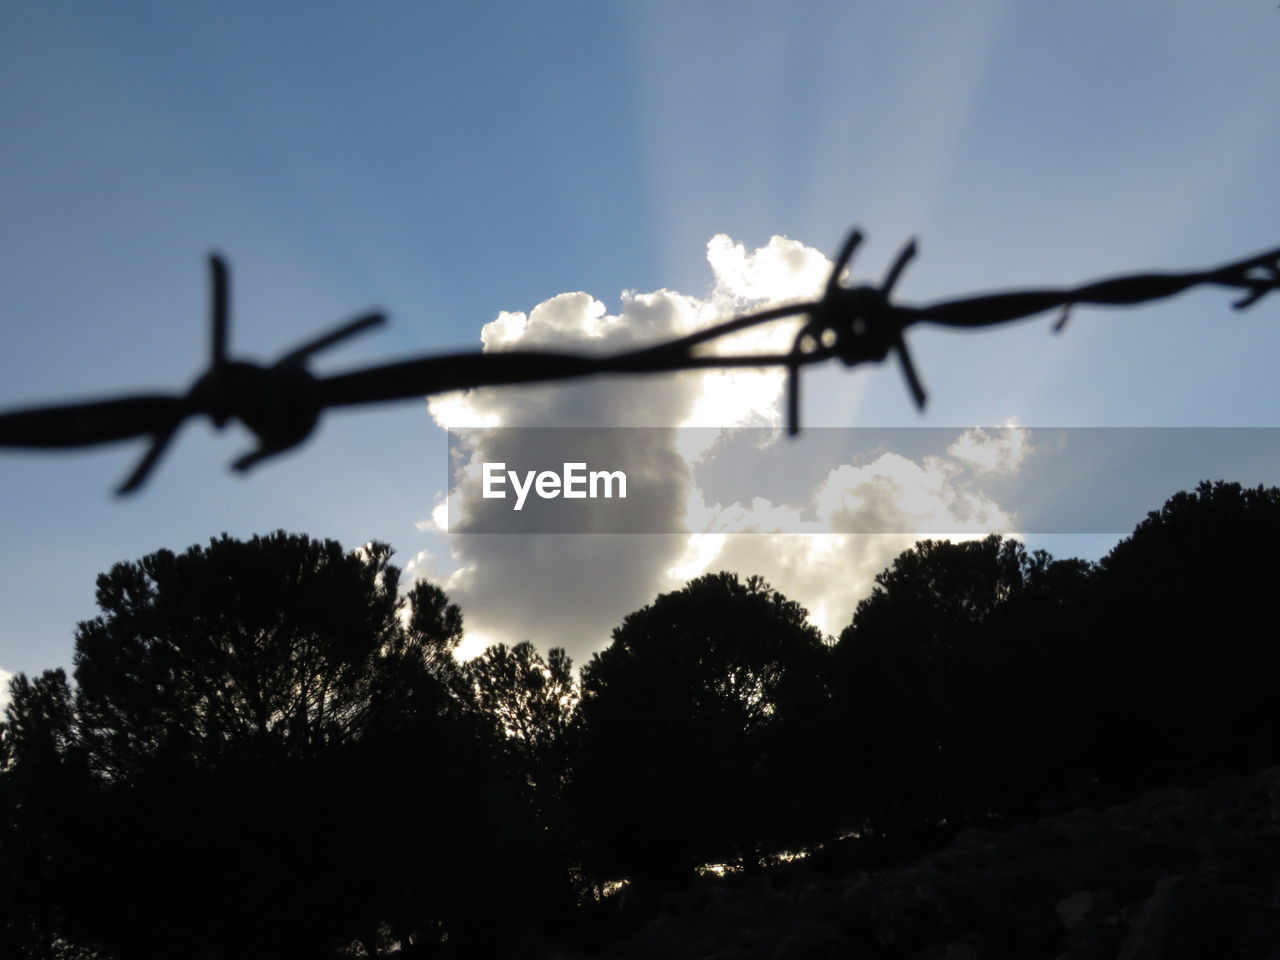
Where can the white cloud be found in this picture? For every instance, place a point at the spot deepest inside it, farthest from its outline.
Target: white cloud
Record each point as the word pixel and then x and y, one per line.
pixel 5 677
pixel 831 565
pixel 781 270
pixel 827 573
pixel 1001 452
pixel 571 589
pixel 894 493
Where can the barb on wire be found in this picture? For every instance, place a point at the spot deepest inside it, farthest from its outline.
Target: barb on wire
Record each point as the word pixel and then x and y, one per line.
pixel 282 403
pixel 855 324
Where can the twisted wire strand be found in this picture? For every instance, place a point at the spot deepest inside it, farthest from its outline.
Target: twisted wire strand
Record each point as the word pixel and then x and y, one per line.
pixel 282 403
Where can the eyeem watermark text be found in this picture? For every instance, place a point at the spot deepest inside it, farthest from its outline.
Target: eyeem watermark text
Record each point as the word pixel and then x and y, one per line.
pixel 574 482
pixel 925 481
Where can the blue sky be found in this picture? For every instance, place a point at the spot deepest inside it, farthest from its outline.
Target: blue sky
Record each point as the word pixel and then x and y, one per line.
pixel 450 161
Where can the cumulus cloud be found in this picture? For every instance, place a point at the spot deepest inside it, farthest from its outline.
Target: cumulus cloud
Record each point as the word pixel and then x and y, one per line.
pixel 5 677
pixel 999 452
pixel 825 547
pixel 827 573
pixel 894 494
pixel 571 589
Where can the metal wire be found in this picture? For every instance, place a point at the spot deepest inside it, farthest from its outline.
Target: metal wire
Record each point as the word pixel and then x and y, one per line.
pixel 282 403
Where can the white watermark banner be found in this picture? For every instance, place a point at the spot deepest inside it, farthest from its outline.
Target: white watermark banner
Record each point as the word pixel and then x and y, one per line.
pixel 921 480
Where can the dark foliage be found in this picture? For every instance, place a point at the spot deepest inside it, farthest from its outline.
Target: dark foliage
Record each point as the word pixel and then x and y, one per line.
pixel 531 703
pixel 696 732
pixel 266 762
pixel 267 752
pixel 955 683
pixel 1189 638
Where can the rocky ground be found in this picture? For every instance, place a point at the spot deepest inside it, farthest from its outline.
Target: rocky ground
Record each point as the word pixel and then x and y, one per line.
pixel 1176 873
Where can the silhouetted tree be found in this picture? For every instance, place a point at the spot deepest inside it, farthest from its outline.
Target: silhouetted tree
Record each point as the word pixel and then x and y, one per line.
pixel 43 786
pixel 1192 654
pixel 948 678
pixel 268 752
pixel 280 766
pixel 532 702
pixel 696 731
pixel 1035 729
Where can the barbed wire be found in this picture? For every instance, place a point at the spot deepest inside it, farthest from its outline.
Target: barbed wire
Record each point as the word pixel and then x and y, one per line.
pixel 281 404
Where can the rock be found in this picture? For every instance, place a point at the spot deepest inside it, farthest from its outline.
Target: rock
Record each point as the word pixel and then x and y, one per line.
pixel 976 845
pixel 856 900
pixel 812 941
pixel 1187 918
pixel 911 914
pixel 1094 940
pixel 721 897
pixel 1052 888
pixel 968 946
pixel 1271 778
pixel 1077 908
pixel 684 903
pixel 1160 813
